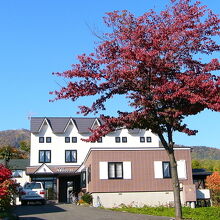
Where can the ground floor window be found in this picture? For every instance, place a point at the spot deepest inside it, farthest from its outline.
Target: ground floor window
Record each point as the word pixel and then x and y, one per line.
pixel 115 170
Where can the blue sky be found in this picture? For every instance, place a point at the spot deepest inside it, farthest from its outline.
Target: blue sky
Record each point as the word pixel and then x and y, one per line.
pixel 39 37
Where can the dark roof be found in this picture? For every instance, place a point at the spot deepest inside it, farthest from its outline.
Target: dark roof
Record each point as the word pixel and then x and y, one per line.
pixel 58 124
pixel 17 164
pixel 201 172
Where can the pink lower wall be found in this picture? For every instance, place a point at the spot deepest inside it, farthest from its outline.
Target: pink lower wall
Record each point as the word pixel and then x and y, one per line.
pixel 142 162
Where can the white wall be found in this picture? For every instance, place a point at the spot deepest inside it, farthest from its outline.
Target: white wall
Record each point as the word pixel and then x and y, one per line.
pixel 22 180
pixel 58 145
pixel 139 199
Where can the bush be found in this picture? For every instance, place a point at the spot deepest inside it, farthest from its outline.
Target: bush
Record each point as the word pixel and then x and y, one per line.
pixel 87 198
pixel 7 188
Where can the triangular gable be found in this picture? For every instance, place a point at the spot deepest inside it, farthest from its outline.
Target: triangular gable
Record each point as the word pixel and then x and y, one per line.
pixel 69 122
pixel 42 124
pixel 43 169
pixel 95 124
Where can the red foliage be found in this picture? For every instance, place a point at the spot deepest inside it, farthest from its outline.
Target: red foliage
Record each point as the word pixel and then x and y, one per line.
pixel 154 60
pixel 213 181
pixel 5 173
pixel 7 186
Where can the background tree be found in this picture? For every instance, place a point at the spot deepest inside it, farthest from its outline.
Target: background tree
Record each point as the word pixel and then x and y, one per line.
pixel 213 183
pixel 155 62
pixel 25 146
pixel 7 153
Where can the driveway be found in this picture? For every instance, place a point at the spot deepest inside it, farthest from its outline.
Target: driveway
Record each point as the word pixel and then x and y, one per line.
pixel 73 212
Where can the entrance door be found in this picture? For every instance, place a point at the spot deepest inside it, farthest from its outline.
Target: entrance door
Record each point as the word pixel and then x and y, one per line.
pixel 68 185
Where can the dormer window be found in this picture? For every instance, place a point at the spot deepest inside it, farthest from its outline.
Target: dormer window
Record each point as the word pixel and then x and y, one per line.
pixel 67 139
pixel 117 139
pixel 124 140
pixel 41 139
pixel 149 140
pixel 48 139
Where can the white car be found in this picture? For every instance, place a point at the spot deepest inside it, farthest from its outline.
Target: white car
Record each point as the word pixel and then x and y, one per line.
pixel 33 192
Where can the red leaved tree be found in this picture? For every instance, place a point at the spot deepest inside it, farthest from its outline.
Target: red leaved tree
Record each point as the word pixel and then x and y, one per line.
pixel 154 61
pixel 7 187
pixel 213 183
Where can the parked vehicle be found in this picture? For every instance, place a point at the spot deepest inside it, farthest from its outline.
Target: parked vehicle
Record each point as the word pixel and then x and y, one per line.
pixel 33 192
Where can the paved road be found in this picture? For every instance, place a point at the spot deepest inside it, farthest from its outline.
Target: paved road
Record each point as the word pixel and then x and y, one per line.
pixel 72 212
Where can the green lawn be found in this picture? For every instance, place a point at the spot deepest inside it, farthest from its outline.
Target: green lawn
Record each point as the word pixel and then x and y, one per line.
pixel 204 213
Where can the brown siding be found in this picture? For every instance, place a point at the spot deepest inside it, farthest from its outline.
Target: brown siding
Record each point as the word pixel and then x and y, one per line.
pixel 142 163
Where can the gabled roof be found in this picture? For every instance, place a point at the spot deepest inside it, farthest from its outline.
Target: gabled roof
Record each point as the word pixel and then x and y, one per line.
pixel 59 124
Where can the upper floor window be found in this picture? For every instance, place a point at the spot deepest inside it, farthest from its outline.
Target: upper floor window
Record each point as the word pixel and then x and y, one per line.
pixel 117 139
pixel 41 139
pixel 142 139
pixel 148 139
pixel 166 169
pixel 99 140
pixel 70 156
pixel 115 170
pixel 44 156
pixel 67 139
pixel 48 139
pixel 124 139
pixel 74 139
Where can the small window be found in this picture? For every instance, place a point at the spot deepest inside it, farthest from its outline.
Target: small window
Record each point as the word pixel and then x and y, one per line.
pixel 115 170
pixel 148 139
pixel 48 139
pixel 142 139
pixel 166 169
pixel 74 139
pixel 83 179
pixel 70 156
pixel 67 139
pixel 99 140
pixel 89 174
pixel 124 139
pixel 41 139
pixel 44 156
pixel 17 173
pixel 117 139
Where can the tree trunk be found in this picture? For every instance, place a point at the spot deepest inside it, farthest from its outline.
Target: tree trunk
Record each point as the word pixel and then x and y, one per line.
pixel 176 186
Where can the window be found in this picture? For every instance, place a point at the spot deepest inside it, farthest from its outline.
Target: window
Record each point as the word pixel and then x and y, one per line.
pixel 89 174
pixel 17 173
pixel 70 156
pixel 74 139
pixel 117 139
pixel 142 139
pixel 99 140
pixel 44 156
pixel 124 140
pixel 48 139
pixel 115 170
pixel 148 139
pixel 67 139
pixel 41 139
pixel 83 179
pixel 166 169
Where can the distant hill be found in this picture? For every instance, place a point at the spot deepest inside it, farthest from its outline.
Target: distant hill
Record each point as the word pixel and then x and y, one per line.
pixel 205 153
pixel 14 137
